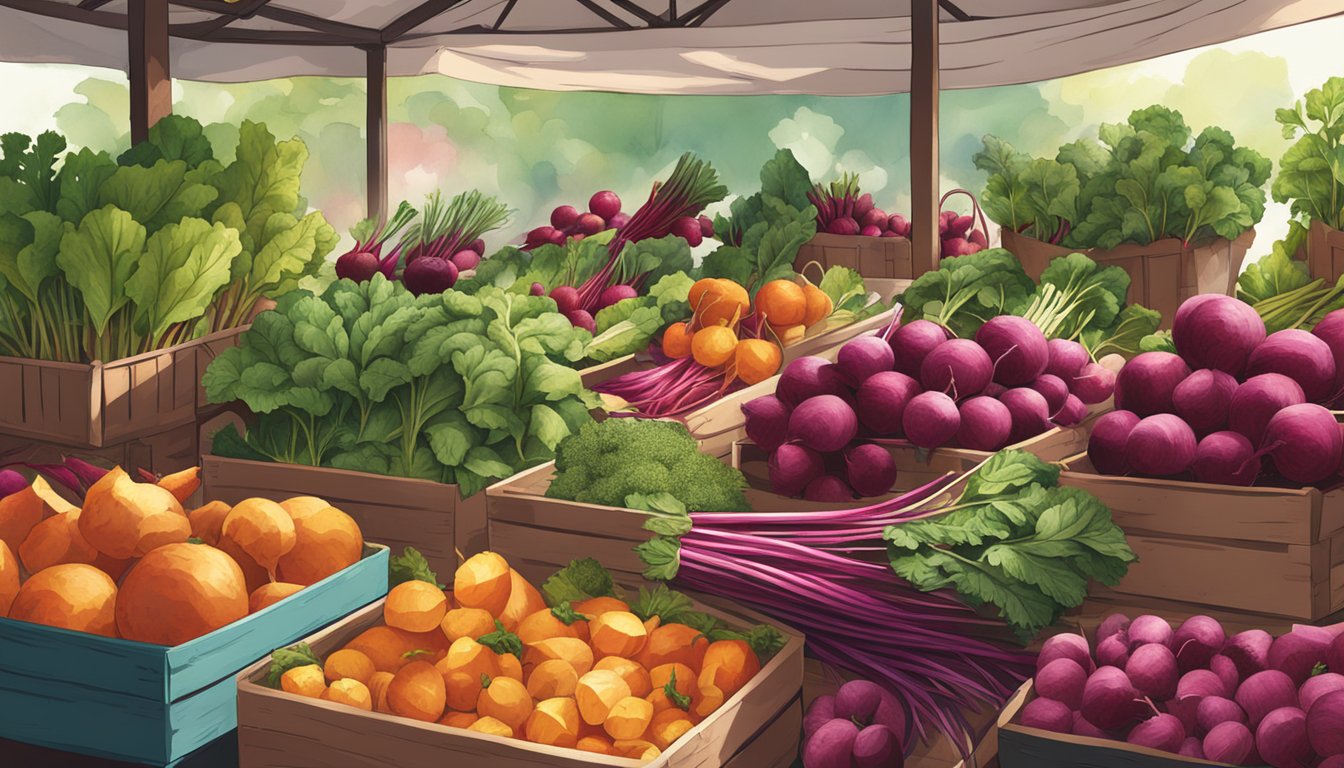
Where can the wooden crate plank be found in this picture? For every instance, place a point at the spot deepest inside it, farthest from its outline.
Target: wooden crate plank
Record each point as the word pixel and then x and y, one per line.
pixel 11 383
pixel 557 548
pixel 116 410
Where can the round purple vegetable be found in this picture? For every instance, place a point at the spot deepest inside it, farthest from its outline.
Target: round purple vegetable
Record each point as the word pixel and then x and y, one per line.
pixel 985 424
pixel 1226 670
pixel 1264 692
pixel 870 230
pixel 1196 641
pixel 1213 710
pixel 1203 399
pixel 1072 414
pixel 1215 331
pixel 621 219
pixel 1257 400
pixel 1164 732
pixel 1334 761
pixel 808 377
pixel 1152 670
pixel 1249 651
pixel 912 342
pixel 566 298
pixel 564 216
pixel 930 420
pixel 1062 680
pixel 1048 715
pixel 688 229
pixel 1106 444
pixel 1331 331
pixel 957 367
pixel 1192 747
pixel 1150 629
pixel 881 401
pixel 1200 683
pixel 766 420
pixel 1017 348
pixel 1053 389
pixel 615 293
pixel 1318 686
pixel 1115 623
pixel 877 747
pixel 1093 383
pixel 870 469
pixel 1083 728
pixel 429 274
pixel 831 745
pixel 1304 443
pixel 863 357
pixel 590 224
pixel 1110 701
pixel 1229 742
pixel 1334 657
pixel 1300 356
pixel 580 318
pixel 1113 651
pixel 466 259
pixel 818 714
pixel 1067 358
pixel 1146 384
pixel 1029 411
pixel 357 265
pixel 605 204
pixel 1281 738
pixel 823 423
pixel 1161 445
pixel 1066 645
pixel 828 488
pixel 1325 724
pixel 11 482
pixel 1297 653
pixel 1226 458
pixel 537 289
pixel 792 467
pixel 478 245
pixel 868 703
pixel 706 226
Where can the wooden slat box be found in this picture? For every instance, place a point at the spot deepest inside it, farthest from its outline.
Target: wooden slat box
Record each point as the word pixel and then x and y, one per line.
pixel 878 257
pixel 759 725
pixel 396 511
pixel 1023 747
pixel 1277 551
pixel 148 703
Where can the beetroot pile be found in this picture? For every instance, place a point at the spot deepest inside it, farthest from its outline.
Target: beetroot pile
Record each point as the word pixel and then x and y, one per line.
pixel 861 726
pixel 1230 403
pixel 604 212
pixel 843 210
pixel 1248 699
pixel 917 385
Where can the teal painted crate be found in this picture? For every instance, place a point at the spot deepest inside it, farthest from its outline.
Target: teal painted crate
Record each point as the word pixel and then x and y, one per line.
pixel 152 704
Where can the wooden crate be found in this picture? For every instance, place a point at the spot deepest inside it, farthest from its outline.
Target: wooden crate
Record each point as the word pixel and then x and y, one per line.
pixel 1102 601
pixel 1276 551
pixel 397 511
pixel 1324 252
pixel 887 258
pixel 758 727
pixel 1023 747
pixel 153 704
pixel 169 451
pixel 1162 274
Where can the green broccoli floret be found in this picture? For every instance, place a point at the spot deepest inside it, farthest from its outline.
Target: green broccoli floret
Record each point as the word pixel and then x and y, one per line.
pixel 705 484
pixel 643 477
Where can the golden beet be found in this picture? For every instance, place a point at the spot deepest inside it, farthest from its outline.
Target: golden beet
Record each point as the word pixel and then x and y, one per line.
pixel 9 577
pixel 467 622
pixel 551 678
pixel 458 719
pixel 254 575
pixel 668 726
pixel 543 625
pixel 554 722
pixel 483 581
pixel 634 675
pixel 597 692
pixel 570 649
pixel 416 691
pixel 492 726
pixel 348 663
pixel 351 693
pixel 596 606
pixel 266 595
pixel 415 606
pixel 506 700
pixel 617 633
pixel 386 647
pixel 123 519
pixel 628 718
pixel 20 511
pixel 304 681
pixel 207 521
pixel 178 593
pixel 54 541
pixel 303 506
pixel 74 596
pixel 326 540
pixel 378 691
pixel 182 484
pixel 524 600
pixel 262 529
pixel 673 644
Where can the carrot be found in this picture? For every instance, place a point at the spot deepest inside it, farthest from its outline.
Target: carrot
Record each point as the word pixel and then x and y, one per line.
pixel 466 622
pixel 597 692
pixel 304 681
pixel 634 675
pixel 491 726
pixel 182 484
pixel 628 718
pixel 617 633
pixel 554 722
pixel 781 302
pixel 677 340
pixel 208 521
pixel 348 663
pixel 415 606
pixel 417 692
pixel 674 643
pixel 351 693
pixel 262 529
pixel 524 600
pixel 9 578
pixel 575 652
pixel 506 700
pixel 551 678
pixel 757 360
pixel 266 595
pixel 483 581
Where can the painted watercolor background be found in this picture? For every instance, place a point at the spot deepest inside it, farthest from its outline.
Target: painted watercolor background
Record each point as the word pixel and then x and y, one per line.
pixel 536 149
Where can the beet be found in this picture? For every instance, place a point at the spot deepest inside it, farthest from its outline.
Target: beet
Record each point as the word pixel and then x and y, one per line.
pixel 1213 710
pixel 863 357
pixel 766 420
pixel 1229 742
pixel 605 204
pixel 1226 458
pixel 792 467
pixel 1201 683
pixel 1203 398
pixel 1150 629
pixel 466 259
pixel 1029 412
pixel 1062 680
pixel 688 229
pixel 580 318
pixel 912 342
pixel 1017 348
pixel 1110 700
pixel 1152 670
pixel 808 377
pixel 986 424
pixel 881 401
pixel 957 367
pixel 1113 651
pixel 566 298
pixel 1072 414
pixel 1304 443
pixel 1106 444
pixel 1317 686
pixel 1164 732
pixel 1047 715
pixel 1146 384
pixel 824 423
pixel 615 293
pixel 429 274
pixel 931 420
pixel 1093 384
pixel 1067 645
pixel 1162 445
pixel 1226 671
pixel 1264 692
pixel 1257 400
pixel 358 266
pixel 1297 653
pixel 1053 389
pixel 1067 358
pixel 1325 724
pixel 564 216
pixel 1081 727
pixel 1215 331
pixel 1281 738
pixel 818 714
pixel 877 747
pixel 1300 356
pixel 1116 622
pixel 828 488
pixel 832 744
pixel 1249 651
pixel 870 469
pixel 1192 747
pixel 1196 641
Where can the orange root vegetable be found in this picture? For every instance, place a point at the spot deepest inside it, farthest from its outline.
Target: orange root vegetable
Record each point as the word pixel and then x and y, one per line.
pixel 506 700
pixel 524 600
pixel 378 691
pixel 208 521
pixel 55 503
pixel 123 519
pixel 544 625
pixel 304 681
pixel 74 596
pixel 466 622
pixel 349 664
pixel 552 678
pixel 417 692
pixel 634 675
pixel 819 305
pixel 674 644
pixel 677 340
pixel 179 592
pixel 730 665
pixel 571 650
pixel 789 334
pixel 415 606
pixel 181 484
pixel 597 692
pixel 458 719
pixel 326 540
pixel 596 606
pixel 254 575
pixel 20 511
pixel 599 745
pixel 262 529
pixel 628 719
pixel 706 698
pixel 483 581
pixel 636 749
pixel 429 646
pixel 510 666
pixel 554 722
pixel 384 646
pixel 462 668
pixel 351 693
pixel 461 690
pixel 735 294
pixel 714 345
pixel 266 595
pixel 701 289
pixel 9 578
pixel 54 541
pixel 782 302
pixel 617 633
pixel 492 726
pixel 668 726
pixel 757 360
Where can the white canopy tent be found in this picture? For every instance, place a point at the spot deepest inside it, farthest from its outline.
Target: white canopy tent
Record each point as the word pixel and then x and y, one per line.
pixel 835 47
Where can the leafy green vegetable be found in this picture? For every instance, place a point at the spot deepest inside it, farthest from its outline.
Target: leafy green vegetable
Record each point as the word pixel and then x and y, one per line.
pixel 1311 178
pixel 662 602
pixel 1281 289
pixel 410 565
pixel 763 232
pixel 580 580
pixel 765 640
pixel 1014 540
pixel 1158 342
pixel 502 641
pixel 285 659
pixel 606 462
pixel 1124 337
pixel 965 291
pixel 1075 295
pixel 566 613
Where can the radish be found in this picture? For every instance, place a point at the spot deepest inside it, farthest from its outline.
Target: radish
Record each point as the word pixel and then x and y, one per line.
pixel 537 289
pixel 1164 732
pixel 1325 724
pixel 1150 629
pixel 1192 747
pixel 1067 645
pixel 1152 670
pixel 1248 650
pixel 1081 727
pixel 1113 651
pixel 1213 710
pixel 615 294
pixel 1226 671
pixel 466 259
pixel 1115 623
pixel 1317 686
pixel 1297 653
pixel 566 299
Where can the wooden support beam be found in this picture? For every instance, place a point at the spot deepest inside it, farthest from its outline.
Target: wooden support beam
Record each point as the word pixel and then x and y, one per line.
pixel 410 20
pixel 151 80
pixel 924 174
pixel 376 131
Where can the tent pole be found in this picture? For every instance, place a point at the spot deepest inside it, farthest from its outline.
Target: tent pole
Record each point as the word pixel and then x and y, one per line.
pixel 924 174
pixel 147 57
pixel 377 131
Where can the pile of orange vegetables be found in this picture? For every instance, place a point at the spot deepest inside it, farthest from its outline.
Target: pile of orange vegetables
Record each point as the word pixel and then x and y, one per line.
pixel 490 656
pixel 728 339
pixel 131 562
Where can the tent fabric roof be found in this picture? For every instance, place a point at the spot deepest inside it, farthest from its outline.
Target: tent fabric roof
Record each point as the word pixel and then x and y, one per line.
pixel 835 47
